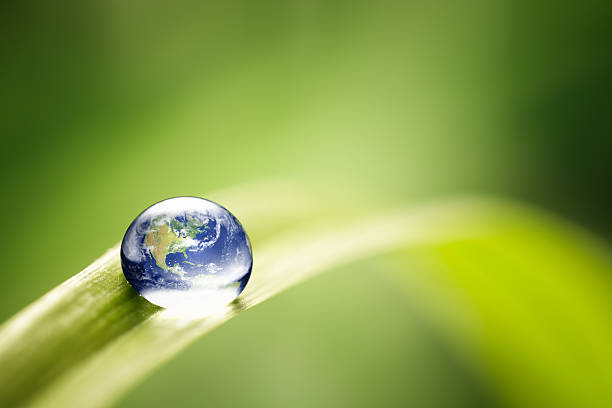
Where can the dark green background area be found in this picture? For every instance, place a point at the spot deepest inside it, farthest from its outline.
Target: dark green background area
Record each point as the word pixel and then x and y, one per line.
pixel 108 107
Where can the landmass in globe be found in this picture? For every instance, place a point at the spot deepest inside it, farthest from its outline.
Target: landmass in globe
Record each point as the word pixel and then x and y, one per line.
pixel 188 253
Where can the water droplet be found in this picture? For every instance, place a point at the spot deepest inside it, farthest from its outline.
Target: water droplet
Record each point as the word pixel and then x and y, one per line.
pixel 187 253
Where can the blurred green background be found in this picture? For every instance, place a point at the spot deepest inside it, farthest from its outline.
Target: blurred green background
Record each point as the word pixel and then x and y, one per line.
pixel 110 106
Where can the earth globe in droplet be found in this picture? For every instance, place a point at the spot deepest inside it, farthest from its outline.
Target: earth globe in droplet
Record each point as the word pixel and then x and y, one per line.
pixel 187 253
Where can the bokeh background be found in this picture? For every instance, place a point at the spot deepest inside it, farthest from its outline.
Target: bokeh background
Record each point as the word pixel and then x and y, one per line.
pixel 110 106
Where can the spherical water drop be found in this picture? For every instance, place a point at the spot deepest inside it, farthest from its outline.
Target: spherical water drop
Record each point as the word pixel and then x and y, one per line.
pixel 187 253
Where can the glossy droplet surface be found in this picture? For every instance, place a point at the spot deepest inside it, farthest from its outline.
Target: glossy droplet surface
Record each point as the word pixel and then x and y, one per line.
pixel 187 253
